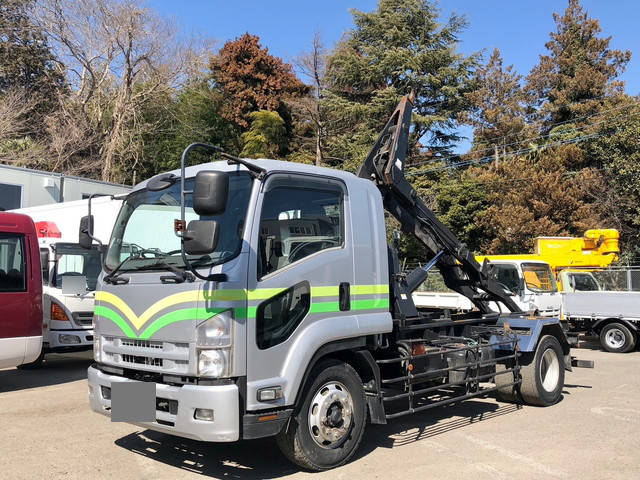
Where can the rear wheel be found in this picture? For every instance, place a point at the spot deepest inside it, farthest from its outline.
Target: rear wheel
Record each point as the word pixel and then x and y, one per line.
pixel 326 429
pixel 542 373
pixel 617 338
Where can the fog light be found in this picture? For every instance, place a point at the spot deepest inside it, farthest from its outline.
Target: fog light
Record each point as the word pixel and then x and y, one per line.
pixel 203 414
pixel 68 339
pixel 106 392
pixel 269 394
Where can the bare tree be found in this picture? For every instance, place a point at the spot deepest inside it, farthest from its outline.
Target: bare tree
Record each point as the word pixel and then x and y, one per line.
pixel 119 55
pixel 312 65
pixel 15 106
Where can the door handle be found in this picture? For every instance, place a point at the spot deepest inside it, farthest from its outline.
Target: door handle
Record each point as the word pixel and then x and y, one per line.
pixel 344 297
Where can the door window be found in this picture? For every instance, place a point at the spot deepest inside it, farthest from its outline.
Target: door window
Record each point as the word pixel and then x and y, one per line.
pixel 12 264
pixel 297 222
pixel 507 276
pixel 278 317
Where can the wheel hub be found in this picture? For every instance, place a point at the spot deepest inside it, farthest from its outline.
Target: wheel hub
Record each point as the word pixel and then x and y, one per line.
pixel 549 370
pixel 331 415
pixel 615 338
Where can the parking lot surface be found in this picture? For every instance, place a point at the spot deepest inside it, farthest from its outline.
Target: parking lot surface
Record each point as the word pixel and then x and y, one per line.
pixel 48 431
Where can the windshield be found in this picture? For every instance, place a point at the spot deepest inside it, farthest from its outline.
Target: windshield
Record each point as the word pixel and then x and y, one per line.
pixel 72 260
pixel 538 277
pixel 584 282
pixel 144 228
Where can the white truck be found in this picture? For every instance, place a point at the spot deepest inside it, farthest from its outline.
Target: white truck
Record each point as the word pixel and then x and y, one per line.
pixel 613 316
pixel 530 284
pixel 69 272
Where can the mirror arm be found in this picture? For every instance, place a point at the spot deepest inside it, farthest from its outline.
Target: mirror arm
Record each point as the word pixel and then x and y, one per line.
pixel 256 171
pixel 216 277
pixel 89 234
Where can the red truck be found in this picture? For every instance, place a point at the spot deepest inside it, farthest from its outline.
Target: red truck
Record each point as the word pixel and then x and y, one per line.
pixel 20 291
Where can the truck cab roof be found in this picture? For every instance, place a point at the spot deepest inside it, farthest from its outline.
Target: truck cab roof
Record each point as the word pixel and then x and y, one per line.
pixel 271 166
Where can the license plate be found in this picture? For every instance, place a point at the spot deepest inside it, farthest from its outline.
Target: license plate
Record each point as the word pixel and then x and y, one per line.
pixel 133 402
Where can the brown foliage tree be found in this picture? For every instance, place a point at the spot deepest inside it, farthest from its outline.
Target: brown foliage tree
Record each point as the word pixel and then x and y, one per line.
pixel 497 108
pixel 252 79
pixel 533 197
pixel 580 72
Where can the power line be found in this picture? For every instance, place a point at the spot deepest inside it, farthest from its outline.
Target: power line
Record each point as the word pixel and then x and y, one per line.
pixel 511 154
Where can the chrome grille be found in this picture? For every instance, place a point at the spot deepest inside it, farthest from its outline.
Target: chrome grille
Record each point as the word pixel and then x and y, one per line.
pixel 147 355
pixel 140 343
pixel 155 362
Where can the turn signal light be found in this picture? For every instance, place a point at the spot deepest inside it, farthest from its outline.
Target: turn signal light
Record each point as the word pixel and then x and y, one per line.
pixel 57 313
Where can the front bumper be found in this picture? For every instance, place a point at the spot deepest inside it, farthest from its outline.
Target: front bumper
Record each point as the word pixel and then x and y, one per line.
pixel 64 339
pixel 223 399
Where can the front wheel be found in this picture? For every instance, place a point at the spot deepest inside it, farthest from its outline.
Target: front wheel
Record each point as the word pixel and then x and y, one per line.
pixel 326 429
pixel 542 373
pixel 617 338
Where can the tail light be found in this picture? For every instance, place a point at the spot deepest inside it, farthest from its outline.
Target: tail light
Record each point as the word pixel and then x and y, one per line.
pixel 57 313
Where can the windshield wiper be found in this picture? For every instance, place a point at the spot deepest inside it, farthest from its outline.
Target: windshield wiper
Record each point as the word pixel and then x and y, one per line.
pixel 180 275
pixel 112 277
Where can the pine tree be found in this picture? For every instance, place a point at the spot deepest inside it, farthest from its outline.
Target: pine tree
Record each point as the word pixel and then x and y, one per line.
pixel 579 74
pixel 399 47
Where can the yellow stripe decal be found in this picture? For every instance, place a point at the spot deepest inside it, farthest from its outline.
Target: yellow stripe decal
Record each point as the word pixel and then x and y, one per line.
pixel 324 291
pixel 193 296
pixel 369 289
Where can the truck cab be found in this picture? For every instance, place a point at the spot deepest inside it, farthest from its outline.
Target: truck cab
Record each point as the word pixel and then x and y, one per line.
pixel 530 283
pixel 578 281
pixel 69 277
pixel 20 291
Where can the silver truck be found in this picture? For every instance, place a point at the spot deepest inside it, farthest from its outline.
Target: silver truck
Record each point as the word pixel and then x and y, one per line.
pixel 263 299
pixel 613 316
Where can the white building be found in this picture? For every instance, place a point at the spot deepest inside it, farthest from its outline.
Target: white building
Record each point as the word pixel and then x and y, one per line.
pixel 23 187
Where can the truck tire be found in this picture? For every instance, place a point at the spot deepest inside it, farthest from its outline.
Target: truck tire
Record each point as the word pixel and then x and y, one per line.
pixel 506 392
pixel 37 363
pixel 327 426
pixel 542 373
pixel 617 338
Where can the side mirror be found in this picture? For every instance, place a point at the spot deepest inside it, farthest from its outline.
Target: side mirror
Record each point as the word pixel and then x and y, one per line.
pixel 86 232
pixel 201 237
pixel 210 193
pixel 521 285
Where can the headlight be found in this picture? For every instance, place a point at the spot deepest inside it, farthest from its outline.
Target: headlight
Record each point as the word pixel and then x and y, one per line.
pixel 216 331
pixel 213 363
pixel 97 354
pixel 213 340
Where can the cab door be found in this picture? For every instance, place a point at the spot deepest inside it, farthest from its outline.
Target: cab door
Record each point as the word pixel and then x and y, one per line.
pixel 15 303
pixel 300 275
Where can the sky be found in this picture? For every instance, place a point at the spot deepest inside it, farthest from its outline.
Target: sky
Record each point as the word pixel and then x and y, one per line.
pixel 518 28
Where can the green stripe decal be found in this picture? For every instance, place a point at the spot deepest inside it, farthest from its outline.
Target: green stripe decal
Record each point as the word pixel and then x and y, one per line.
pixel 115 318
pixel 324 307
pixel 120 308
pixel 178 316
pixel 245 312
pixel 370 304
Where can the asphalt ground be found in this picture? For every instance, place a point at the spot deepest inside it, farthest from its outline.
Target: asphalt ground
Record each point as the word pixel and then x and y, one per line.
pixel 47 431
